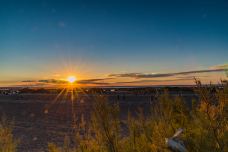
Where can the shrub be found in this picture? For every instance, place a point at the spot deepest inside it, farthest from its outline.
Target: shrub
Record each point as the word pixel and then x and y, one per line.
pixel 7 142
pixel 205 125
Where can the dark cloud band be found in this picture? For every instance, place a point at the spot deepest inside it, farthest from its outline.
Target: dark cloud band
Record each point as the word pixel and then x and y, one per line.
pixel 86 81
pixel 160 75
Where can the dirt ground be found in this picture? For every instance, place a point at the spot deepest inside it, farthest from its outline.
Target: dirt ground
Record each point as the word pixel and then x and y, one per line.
pixel 42 118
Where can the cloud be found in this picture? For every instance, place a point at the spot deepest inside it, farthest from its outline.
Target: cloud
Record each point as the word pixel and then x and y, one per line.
pixel 85 82
pixel 46 81
pixel 160 75
pixel 147 78
pixel 94 81
pixel 140 75
pixel 148 81
pixel 54 81
pixel 222 66
pixel 29 81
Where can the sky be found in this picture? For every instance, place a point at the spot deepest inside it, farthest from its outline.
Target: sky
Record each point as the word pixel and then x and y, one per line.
pixel 113 42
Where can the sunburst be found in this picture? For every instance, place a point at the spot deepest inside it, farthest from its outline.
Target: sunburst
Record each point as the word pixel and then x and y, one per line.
pixel 71 79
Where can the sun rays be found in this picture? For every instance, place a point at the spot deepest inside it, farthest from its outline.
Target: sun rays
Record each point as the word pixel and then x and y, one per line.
pixel 66 101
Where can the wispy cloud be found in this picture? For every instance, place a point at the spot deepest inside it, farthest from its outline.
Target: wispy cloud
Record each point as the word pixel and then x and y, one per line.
pixel 29 81
pixel 221 66
pixel 141 78
pixel 54 81
pixel 85 82
pixel 161 75
pixel 94 81
pixel 150 81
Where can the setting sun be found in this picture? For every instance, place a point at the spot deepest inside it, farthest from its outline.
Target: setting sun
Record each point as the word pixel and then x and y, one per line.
pixel 71 79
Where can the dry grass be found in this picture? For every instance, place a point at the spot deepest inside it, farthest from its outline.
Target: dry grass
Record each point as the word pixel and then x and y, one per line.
pixel 7 142
pixel 205 125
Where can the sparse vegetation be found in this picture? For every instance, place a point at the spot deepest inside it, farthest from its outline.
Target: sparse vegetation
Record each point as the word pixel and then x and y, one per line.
pixel 205 125
pixel 7 142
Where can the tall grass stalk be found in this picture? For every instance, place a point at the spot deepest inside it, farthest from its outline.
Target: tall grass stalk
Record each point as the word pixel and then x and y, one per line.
pixel 7 141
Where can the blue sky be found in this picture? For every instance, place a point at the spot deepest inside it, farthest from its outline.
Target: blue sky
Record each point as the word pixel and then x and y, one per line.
pixel 39 39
